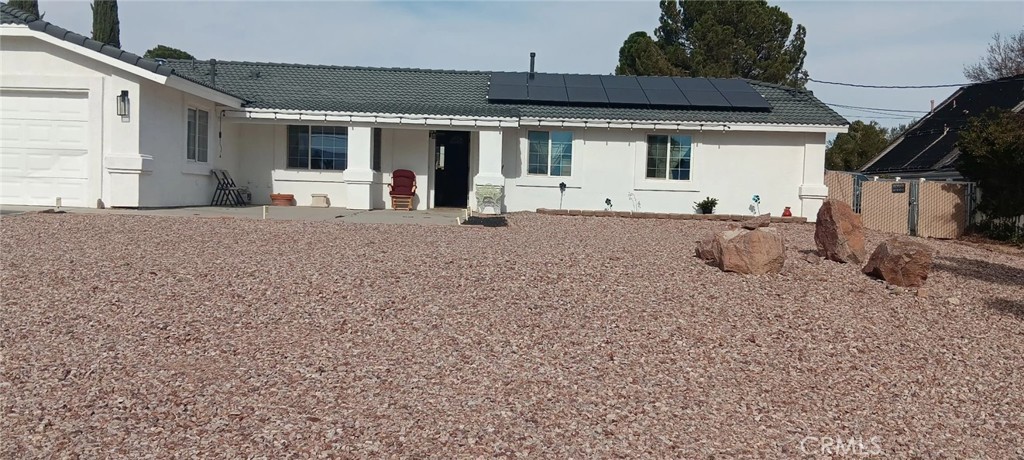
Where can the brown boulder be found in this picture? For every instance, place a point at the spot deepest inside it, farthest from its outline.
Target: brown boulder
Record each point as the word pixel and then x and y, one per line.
pixel 753 252
pixel 839 233
pixel 756 222
pixel 705 248
pixel 901 262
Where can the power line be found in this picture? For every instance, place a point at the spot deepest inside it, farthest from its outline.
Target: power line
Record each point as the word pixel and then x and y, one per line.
pixel 857 85
pixel 876 108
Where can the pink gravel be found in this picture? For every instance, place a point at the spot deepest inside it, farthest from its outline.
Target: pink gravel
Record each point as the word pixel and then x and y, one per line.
pixel 127 336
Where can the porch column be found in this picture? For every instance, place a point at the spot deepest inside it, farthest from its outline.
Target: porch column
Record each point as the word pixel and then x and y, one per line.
pixel 489 183
pixel 359 174
pixel 813 191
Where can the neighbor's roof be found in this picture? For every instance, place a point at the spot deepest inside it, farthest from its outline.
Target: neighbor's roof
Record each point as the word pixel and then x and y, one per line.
pixel 930 145
pixel 459 93
pixel 12 15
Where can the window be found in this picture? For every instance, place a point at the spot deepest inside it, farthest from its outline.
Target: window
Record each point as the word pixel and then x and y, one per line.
pixel 318 147
pixel 550 153
pixel 197 135
pixel 376 149
pixel 668 157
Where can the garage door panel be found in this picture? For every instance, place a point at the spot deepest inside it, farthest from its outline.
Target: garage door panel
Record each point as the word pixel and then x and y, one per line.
pixel 44 148
pixel 45 105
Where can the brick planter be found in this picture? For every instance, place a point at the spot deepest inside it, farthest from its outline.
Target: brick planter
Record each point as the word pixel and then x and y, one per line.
pixel 662 215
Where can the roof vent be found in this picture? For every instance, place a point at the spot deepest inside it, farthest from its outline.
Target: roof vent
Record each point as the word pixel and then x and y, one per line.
pixel 254 74
pixel 533 58
pixel 161 61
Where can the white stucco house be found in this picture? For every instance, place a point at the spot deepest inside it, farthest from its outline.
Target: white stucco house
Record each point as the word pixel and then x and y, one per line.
pixel 97 126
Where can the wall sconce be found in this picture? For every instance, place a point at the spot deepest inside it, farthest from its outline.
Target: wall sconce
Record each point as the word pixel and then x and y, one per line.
pixel 123 103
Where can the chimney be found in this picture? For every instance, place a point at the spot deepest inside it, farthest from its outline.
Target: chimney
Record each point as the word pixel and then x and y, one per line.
pixel 213 72
pixel 533 58
pixel 933 106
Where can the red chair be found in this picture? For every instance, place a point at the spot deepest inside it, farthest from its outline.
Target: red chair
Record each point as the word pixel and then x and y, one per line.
pixel 403 189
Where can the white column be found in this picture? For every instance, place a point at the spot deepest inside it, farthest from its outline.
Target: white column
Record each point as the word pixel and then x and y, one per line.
pixel 813 191
pixel 359 174
pixel 489 183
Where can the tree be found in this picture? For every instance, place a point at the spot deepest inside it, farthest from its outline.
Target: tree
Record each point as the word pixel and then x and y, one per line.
pixel 728 39
pixel 28 6
pixel 851 150
pixel 640 55
pixel 166 52
pixel 992 154
pixel 106 27
pixel 1005 58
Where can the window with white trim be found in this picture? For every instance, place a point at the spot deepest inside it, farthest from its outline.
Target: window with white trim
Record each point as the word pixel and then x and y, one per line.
pixel 318 147
pixel 550 153
pixel 197 135
pixel 668 156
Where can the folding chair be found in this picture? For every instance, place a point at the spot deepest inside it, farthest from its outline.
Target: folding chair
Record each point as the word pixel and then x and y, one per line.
pixel 227 193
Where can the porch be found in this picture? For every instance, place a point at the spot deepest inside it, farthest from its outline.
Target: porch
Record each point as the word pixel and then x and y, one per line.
pixel 352 163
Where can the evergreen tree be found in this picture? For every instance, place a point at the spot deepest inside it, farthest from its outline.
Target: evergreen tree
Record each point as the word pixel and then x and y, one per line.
pixel 106 27
pixel 166 52
pixel 992 154
pixel 640 55
pixel 28 6
pixel 748 39
pixel 849 151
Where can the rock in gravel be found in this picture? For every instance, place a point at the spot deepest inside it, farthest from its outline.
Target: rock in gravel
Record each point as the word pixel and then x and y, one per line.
pixel 839 233
pixel 901 262
pixel 753 252
pixel 705 248
pixel 756 222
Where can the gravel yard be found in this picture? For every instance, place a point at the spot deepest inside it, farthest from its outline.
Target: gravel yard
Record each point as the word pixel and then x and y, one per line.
pixel 127 336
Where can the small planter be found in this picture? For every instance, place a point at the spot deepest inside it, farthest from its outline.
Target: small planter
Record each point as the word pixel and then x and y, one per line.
pixel 282 199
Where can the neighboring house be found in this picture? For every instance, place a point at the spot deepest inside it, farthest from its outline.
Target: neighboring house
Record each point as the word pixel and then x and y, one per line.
pixel 307 129
pixel 928 149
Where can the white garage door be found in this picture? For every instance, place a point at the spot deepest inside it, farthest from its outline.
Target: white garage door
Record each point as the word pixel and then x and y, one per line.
pixel 44 147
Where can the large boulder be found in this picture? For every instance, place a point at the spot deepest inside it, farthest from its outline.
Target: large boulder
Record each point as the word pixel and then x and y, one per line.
pixel 901 262
pixel 752 252
pixel 839 233
pixel 763 220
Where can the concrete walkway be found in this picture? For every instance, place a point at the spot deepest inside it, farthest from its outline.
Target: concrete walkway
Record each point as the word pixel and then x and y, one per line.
pixel 443 216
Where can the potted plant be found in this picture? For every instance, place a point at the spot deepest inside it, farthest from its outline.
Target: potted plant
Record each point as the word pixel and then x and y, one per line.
pixel 707 205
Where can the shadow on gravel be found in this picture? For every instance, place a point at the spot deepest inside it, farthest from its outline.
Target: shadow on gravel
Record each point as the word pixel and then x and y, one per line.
pixel 497 221
pixel 1007 307
pixel 981 270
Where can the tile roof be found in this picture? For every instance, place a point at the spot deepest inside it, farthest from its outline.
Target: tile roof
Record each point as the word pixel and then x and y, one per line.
pixel 12 15
pixel 457 93
pixel 930 145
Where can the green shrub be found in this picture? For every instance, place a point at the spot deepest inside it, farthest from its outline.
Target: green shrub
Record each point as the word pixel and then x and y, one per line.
pixel 707 205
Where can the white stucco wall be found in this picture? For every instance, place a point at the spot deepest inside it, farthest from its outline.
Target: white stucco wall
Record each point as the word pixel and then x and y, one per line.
pixel 610 163
pixel 175 180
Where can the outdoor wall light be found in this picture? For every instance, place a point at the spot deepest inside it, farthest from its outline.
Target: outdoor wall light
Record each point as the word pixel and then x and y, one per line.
pixel 123 103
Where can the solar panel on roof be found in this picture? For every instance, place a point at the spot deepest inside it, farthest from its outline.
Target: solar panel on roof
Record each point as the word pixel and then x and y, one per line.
pixel 670 97
pixel 706 98
pixel 656 83
pixel 751 100
pixel 586 95
pixel 546 79
pixel 507 92
pixel 547 94
pixel 626 96
pixel 731 84
pixel 583 81
pixel 693 84
pixel 508 78
pixel 619 81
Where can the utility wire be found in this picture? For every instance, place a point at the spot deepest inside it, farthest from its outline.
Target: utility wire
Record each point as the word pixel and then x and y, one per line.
pixel 857 85
pixel 876 108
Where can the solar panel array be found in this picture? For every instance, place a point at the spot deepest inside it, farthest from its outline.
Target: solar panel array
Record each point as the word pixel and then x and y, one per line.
pixel 624 91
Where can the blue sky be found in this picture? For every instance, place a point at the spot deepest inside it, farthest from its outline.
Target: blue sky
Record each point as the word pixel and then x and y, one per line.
pixel 889 43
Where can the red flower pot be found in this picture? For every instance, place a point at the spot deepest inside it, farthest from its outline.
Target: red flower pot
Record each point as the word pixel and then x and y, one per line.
pixel 786 212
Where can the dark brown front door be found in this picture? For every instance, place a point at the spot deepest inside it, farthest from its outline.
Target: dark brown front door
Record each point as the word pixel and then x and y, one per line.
pixel 451 169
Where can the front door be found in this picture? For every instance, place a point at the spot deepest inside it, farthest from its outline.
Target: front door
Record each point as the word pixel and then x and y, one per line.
pixel 451 169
